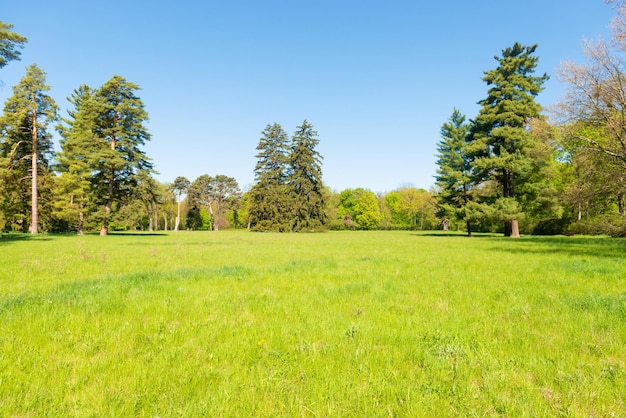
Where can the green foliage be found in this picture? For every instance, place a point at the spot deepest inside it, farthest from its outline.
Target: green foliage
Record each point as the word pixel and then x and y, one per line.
pixel 500 135
pixel 338 324
pixel 454 173
pixel 305 180
pixel 10 44
pixel 26 149
pixel 359 208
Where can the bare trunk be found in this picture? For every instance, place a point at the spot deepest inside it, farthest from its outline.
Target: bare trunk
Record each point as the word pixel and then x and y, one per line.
pixel 165 221
pixel 580 211
pixel 34 213
pixel 469 228
pixel 81 221
pixel 107 207
pixel 177 224
pixel 621 203
pixel 514 229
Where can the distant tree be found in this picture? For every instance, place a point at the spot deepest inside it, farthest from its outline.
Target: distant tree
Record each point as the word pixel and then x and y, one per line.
pixel 416 204
pixel 148 192
pixel 224 191
pixel 198 198
pixel 454 178
pixel 10 43
pixel 119 132
pixel 179 187
pixel 269 200
pixel 500 138
pixel 24 127
pixel 359 208
pixel 305 180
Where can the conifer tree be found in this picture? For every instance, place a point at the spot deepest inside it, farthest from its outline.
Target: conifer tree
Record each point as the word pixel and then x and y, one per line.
pixel 26 143
pixel 119 134
pixel 269 202
pixel 10 43
pixel 77 142
pixel 305 180
pixel 500 138
pixel 454 171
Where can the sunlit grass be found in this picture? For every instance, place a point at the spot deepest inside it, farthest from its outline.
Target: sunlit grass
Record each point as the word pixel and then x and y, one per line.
pixel 338 324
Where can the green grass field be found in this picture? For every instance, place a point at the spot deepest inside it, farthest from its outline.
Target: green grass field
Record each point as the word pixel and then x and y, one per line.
pixel 342 324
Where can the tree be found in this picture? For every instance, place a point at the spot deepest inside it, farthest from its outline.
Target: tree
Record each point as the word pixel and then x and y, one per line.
pixel 454 172
pixel 500 138
pixel 305 180
pixel 10 43
pixel 24 124
pixel 224 191
pixel 77 143
pixel 269 203
pixel 359 208
pixel 180 187
pixel 119 134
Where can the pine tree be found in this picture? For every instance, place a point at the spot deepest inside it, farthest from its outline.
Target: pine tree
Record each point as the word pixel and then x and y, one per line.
pixel 454 171
pixel 269 200
pixel 119 133
pixel 500 137
pixel 9 44
pixel 78 142
pixel 27 144
pixel 305 180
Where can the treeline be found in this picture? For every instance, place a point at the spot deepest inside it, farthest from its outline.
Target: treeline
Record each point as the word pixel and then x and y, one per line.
pixel 509 169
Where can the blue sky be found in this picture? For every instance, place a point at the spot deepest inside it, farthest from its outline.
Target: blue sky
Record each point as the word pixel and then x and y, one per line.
pixel 376 79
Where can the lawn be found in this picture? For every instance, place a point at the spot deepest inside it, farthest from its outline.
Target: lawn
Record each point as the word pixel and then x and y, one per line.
pixel 341 324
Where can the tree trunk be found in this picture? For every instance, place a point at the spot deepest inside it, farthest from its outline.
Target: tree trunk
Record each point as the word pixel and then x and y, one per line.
pixel 81 221
pixel 621 203
pixel 34 197
pixel 469 228
pixel 514 229
pixel 107 207
pixel 176 225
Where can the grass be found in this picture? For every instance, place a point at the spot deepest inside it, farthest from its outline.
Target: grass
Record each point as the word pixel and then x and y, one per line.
pixel 338 324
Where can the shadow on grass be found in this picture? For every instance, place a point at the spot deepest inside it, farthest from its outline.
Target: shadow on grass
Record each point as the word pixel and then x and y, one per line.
pixel 600 247
pixel 11 237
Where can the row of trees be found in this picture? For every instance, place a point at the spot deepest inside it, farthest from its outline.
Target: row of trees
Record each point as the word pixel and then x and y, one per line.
pixel 510 163
pixel 509 169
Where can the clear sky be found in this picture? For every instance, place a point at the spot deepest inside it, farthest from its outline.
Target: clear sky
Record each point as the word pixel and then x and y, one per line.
pixel 377 79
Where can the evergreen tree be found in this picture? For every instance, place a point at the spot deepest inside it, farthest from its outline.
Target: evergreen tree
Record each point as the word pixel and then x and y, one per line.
pixel 119 133
pixel 454 171
pixel 305 180
pixel 9 44
pixel 26 143
pixel 269 202
pixel 500 138
pixel 77 142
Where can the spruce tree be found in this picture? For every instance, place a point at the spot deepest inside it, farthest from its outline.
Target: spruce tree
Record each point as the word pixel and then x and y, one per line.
pixel 454 171
pixel 500 138
pixel 305 180
pixel 26 142
pixel 269 200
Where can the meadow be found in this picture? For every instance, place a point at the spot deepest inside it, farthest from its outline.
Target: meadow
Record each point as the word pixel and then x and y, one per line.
pixel 340 324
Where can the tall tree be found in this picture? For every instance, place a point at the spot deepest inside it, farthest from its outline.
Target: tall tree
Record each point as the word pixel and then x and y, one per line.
pixel 10 43
pixel 454 172
pixel 269 203
pixel 500 135
pixel 305 180
pixel 77 142
pixel 24 126
pixel 179 187
pixel 120 133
